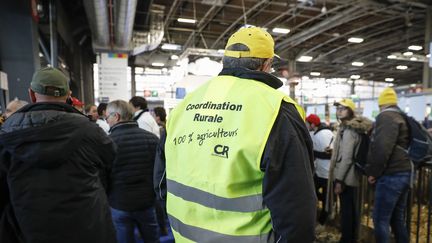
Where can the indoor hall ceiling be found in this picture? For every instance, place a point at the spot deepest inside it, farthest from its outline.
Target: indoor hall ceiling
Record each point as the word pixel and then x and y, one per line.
pixel 318 28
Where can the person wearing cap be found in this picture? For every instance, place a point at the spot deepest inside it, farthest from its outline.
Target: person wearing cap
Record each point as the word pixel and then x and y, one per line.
pixel 55 163
pixel 343 178
pixel 389 168
pixel 238 155
pixel 322 138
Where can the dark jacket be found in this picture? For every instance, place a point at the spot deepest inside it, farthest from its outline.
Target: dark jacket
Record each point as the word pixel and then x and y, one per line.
pixel 54 161
pixel 131 181
pixel 390 139
pixel 287 161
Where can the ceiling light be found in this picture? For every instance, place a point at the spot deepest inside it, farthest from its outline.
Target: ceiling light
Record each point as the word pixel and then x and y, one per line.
pixel 40 54
pixel 415 48
pixel 408 53
pixel 428 55
pixel 389 79
pixel 391 57
pixel 221 51
pixel 164 70
pixel 157 64
pixel 139 70
pixel 391 85
pixel 173 47
pixel 413 59
pixel 305 59
pixel 402 67
pixel 185 20
pixel 355 76
pixel 357 64
pixel 315 73
pixel 174 57
pixel 281 30
pixel 355 40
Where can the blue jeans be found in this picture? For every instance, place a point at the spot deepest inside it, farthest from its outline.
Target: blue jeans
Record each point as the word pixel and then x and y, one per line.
pixel 125 223
pixel 391 195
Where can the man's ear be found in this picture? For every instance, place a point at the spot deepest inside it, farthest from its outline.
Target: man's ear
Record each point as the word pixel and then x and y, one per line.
pixel 32 96
pixel 267 65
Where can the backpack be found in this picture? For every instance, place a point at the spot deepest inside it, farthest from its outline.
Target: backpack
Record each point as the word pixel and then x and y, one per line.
pixel 420 142
pixel 360 158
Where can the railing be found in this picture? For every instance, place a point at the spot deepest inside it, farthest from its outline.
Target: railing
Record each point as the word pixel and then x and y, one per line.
pixel 419 212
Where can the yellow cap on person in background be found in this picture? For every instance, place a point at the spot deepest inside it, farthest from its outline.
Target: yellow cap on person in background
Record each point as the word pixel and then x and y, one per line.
pixel 387 97
pixel 347 103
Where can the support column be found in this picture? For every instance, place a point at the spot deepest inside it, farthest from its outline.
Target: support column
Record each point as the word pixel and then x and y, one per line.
pixel 53 33
pixel 19 51
pixel 427 70
pixel 291 81
pixel 133 81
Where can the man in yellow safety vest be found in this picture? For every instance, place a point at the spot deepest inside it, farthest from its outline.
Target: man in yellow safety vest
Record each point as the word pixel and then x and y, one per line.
pixel 238 155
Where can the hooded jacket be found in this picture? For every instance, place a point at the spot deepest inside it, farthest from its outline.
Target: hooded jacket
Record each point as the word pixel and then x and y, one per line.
pixel 346 145
pixel 55 162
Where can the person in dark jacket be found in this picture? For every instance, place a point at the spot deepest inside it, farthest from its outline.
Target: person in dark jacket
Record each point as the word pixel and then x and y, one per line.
pixel 286 157
pixel 54 163
pixel 131 194
pixel 389 168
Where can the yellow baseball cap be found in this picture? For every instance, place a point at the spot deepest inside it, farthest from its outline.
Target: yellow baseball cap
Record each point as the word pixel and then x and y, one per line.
pixel 387 97
pixel 347 103
pixel 259 42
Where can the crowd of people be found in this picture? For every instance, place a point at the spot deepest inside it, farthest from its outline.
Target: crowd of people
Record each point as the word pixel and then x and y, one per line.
pixel 88 174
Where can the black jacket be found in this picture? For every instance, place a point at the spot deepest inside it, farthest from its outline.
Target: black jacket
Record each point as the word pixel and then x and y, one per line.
pixel 131 181
pixel 54 160
pixel 390 139
pixel 287 162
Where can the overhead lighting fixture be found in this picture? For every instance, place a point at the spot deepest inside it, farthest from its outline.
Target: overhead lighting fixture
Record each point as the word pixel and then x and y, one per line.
pixel 221 51
pixel 40 54
pixel 305 59
pixel 401 67
pixel 355 40
pixel 407 53
pixel 185 20
pixel 428 55
pixel 413 59
pixel 355 76
pixel 389 79
pixel 164 70
pixel 157 64
pixel 357 64
pixel 281 30
pixel 415 48
pixel 173 47
pixel 315 73
pixel 174 57
pixel 392 57
pixel 391 85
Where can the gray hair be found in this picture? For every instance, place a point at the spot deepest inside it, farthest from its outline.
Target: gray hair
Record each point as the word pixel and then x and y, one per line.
pixel 122 108
pixel 251 63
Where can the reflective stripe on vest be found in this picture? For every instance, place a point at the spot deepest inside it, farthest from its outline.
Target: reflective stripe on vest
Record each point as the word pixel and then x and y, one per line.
pixel 201 235
pixel 242 204
pixel 215 140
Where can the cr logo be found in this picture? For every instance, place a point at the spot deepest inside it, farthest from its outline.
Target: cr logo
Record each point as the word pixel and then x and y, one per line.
pixel 221 150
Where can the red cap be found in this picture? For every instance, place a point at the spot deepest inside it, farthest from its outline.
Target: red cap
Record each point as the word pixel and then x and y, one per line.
pixel 313 119
pixel 76 102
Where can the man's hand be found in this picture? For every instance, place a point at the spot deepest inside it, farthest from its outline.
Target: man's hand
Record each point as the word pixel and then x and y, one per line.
pixel 338 188
pixel 371 180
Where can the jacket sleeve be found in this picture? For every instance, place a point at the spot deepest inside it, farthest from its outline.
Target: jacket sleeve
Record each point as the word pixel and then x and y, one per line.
pixel 107 151
pixel 159 176
pixel 345 158
pixel 288 189
pixel 384 138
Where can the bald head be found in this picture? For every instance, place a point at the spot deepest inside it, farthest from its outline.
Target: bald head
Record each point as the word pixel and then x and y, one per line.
pixel 13 106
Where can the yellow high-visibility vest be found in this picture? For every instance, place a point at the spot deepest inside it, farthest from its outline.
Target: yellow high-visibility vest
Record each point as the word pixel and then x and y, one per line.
pixel 215 140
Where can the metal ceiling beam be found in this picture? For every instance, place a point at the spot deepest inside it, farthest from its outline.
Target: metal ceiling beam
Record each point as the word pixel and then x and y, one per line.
pixel 172 11
pixel 229 29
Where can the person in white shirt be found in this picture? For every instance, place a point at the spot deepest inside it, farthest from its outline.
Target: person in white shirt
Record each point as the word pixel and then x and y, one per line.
pixel 145 120
pixel 322 138
pixel 101 121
